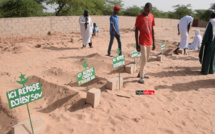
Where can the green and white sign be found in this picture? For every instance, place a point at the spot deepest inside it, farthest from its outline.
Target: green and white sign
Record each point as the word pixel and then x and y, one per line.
pixel 118 61
pixel 86 76
pixel 24 95
pixel 163 47
pixel 135 53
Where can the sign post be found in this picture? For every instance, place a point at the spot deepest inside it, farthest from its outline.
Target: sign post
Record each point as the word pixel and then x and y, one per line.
pixel 24 95
pixel 86 75
pixel 163 47
pixel 135 53
pixel 118 61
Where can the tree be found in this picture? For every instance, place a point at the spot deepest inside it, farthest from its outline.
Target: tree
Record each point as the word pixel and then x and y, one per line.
pixel 20 8
pixel 77 7
pixel 213 7
pixel 108 10
pixel 181 10
pixel 132 11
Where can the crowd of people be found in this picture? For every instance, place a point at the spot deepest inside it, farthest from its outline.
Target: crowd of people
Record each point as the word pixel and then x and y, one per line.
pixel 145 41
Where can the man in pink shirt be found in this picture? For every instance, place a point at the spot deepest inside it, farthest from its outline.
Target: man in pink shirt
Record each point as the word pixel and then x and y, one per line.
pixel 144 24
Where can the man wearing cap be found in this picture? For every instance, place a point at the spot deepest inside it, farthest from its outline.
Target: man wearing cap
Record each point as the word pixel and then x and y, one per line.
pixel 114 30
pixel 86 28
pixel 144 24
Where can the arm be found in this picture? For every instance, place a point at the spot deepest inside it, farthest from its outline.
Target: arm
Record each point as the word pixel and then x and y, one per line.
pixel 153 39
pixel 178 30
pixel 115 30
pixel 188 27
pixel 136 38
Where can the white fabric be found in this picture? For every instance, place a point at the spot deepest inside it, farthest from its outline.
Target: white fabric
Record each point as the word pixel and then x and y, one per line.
pixel 184 41
pixel 212 21
pixel 196 41
pixel 86 33
pixel 183 24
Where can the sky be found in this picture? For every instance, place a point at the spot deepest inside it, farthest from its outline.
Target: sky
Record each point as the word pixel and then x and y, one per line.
pixel 163 5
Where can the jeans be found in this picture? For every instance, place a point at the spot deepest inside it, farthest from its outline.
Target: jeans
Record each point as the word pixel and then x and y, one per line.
pixel 111 43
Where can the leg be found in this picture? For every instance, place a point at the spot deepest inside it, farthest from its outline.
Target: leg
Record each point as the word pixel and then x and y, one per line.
pixel 176 50
pixel 119 44
pixel 143 60
pixel 185 51
pixel 110 44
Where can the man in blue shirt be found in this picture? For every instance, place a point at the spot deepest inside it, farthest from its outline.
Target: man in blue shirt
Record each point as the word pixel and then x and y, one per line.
pixel 114 30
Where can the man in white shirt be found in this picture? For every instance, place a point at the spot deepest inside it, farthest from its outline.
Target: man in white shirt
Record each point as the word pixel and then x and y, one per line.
pixel 86 28
pixel 183 29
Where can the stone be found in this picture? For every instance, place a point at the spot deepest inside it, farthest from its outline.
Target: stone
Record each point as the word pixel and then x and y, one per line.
pixel 113 84
pixel 25 126
pixel 161 58
pixel 131 68
pixel 93 97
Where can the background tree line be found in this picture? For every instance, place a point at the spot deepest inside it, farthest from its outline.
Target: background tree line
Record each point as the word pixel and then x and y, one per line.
pixel 28 8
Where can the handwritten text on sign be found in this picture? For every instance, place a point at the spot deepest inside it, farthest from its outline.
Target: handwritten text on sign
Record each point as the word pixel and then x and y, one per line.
pixel 118 61
pixel 24 95
pixel 135 53
pixel 86 76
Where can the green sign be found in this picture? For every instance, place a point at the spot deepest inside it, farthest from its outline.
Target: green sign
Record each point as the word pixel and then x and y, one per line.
pixel 24 95
pixel 135 53
pixel 86 76
pixel 118 61
pixel 163 47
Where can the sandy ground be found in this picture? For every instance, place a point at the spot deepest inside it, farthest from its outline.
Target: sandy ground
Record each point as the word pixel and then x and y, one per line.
pixel 184 100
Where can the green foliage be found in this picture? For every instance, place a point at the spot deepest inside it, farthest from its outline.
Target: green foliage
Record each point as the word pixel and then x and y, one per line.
pixel 213 7
pixel 132 11
pixel 20 8
pixel 180 11
pixel 109 4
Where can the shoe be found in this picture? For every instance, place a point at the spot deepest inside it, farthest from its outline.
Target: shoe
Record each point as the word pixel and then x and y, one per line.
pixel 145 76
pixel 83 47
pixel 110 55
pixel 141 80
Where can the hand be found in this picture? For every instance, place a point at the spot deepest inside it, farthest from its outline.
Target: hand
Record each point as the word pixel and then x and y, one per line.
pixel 203 44
pixel 138 48
pixel 153 47
pixel 178 33
pixel 117 35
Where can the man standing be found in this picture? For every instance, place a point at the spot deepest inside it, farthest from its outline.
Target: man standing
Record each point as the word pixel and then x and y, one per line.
pixel 207 52
pixel 144 24
pixel 86 28
pixel 114 30
pixel 183 29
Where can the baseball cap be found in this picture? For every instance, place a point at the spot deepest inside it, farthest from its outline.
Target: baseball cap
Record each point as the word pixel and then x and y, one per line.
pixel 116 8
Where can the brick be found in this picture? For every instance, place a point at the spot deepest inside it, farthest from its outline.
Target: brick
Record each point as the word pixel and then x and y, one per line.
pixel 93 97
pixel 131 68
pixel 113 84
pixel 25 126
pixel 161 58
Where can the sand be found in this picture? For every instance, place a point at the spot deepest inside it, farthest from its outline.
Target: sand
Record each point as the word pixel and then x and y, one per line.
pixel 183 102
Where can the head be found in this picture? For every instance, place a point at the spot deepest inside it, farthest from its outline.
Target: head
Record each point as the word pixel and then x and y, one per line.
pixel 86 12
pixel 116 9
pixel 197 32
pixel 94 24
pixel 213 15
pixel 147 9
